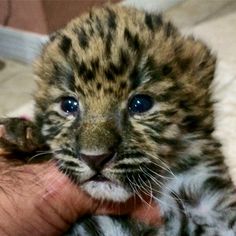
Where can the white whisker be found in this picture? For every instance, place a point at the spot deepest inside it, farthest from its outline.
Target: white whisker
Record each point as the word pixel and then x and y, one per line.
pixel 39 155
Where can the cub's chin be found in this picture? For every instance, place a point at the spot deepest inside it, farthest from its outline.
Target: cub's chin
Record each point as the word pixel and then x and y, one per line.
pixel 106 190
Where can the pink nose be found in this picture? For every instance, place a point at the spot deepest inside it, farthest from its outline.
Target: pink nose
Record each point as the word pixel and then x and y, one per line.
pixel 97 162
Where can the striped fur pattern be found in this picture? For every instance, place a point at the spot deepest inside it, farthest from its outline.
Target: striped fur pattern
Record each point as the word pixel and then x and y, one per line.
pixel 109 226
pixel 104 58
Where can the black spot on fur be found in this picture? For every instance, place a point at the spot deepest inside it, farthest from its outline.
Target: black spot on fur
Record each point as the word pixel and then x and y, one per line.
pixel 135 78
pixel 71 81
pixel 108 44
pixel 80 90
pixel 158 20
pixel 95 64
pixel 163 97
pixel 216 183
pixel 65 44
pixel 166 70
pixel 152 21
pixel 123 57
pixel 114 68
pixel 53 131
pixel 169 141
pixel 231 223
pixel 111 19
pixel 83 38
pixel 108 90
pixel 99 27
pixel 138 74
pixel 203 64
pixel 81 69
pixel 109 75
pixel 148 21
pixel 119 69
pixel 168 113
pixel 123 84
pixel 85 72
pixel 151 67
pixel 91 32
pixel 185 105
pixel 133 40
pixel 169 30
pixel 187 164
pixel 99 86
pixel 63 75
pixel 56 71
pixel 184 64
pixel 154 126
pixel 40 118
pixel 89 23
pixel 89 75
pixel 192 122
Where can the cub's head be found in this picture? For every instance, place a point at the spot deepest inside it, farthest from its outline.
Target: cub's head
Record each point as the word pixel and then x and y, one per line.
pixel 121 98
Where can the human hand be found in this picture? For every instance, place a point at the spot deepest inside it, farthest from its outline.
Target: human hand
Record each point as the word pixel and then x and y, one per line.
pixel 38 199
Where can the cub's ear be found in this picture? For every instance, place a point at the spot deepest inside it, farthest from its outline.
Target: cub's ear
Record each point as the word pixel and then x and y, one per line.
pixel 198 71
pixel 200 62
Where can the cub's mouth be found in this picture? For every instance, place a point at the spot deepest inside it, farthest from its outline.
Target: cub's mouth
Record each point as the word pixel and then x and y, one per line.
pixel 99 178
pixel 103 188
pixel 96 176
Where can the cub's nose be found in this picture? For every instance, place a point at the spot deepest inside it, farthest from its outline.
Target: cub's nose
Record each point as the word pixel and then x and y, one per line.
pixel 97 162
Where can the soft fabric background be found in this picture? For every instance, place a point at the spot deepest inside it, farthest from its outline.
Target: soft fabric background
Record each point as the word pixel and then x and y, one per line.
pixel 213 21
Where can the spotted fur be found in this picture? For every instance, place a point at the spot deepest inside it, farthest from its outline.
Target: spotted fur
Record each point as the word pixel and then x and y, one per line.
pixel 104 58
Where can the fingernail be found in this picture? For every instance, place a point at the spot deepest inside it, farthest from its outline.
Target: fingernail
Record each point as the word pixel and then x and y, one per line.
pixel 29 133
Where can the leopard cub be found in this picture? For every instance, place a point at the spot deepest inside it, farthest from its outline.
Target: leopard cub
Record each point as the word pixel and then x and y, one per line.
pixel 124 103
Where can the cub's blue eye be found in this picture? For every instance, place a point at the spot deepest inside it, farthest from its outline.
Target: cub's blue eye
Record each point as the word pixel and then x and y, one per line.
pixel 140 103
pixel 69 105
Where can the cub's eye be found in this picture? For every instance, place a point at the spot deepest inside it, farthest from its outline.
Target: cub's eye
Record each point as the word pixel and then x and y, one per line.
pixel 140 103
pixel 69 105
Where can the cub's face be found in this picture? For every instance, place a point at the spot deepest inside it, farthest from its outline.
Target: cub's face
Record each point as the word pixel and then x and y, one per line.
pixel 120 96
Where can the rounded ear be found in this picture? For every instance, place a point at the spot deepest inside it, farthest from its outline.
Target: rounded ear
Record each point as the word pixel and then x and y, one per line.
pixel 200 62
pixel 196 81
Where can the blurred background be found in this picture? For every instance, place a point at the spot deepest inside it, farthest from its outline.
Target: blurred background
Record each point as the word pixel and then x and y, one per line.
pixel 25 25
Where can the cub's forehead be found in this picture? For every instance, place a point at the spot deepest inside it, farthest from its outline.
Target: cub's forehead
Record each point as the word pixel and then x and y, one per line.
pixel 103 32
pixel 105 49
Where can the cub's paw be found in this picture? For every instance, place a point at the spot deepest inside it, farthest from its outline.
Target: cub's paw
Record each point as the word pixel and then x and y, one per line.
pixel 19 135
